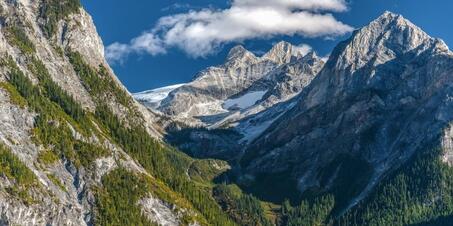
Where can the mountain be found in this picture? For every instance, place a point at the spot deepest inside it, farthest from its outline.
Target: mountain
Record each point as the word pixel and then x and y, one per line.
pixel 383 97
pixel 246 94
pixel 229 105
pixel 209 92
pixel 75 147
pixel 364 138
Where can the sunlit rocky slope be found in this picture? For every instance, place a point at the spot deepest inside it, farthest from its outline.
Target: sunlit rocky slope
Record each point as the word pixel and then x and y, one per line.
pixel 75 147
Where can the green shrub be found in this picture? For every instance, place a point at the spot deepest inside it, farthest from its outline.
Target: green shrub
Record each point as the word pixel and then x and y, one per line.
pixel 244 209
pixel 206 170
pixel 14 96
pixel 57 182
pixel 53 11
pixel 21 83
pixel 13 168
pixel 47 157
pixel 23 178
pixel 16 36
pixel 88 153
pixel 98 82
pixel 117 200
pixel 316 213
pixel 55 93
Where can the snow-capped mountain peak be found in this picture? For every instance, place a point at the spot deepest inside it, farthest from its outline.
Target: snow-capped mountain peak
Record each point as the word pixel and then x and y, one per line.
pixel 206 94
pixel 243 87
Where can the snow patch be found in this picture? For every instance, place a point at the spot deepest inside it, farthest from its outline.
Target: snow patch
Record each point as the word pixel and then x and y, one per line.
pixel 253 131
pixel 156 95
pixel 245 101
pixel 203 109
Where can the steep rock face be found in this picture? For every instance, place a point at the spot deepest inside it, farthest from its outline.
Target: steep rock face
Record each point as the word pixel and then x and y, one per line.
pixel 290 79
pixel 246 95
pixel 384 94
pixel 281 85
pixel 206 93
pixel 15 127
pixel 233 103
pixel 282 53
pixel 44 88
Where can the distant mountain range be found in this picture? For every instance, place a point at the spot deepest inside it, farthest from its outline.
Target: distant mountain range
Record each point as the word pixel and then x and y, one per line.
pixel 244 93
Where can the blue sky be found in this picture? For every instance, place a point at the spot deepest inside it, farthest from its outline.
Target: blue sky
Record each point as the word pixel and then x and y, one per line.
pixel 120 21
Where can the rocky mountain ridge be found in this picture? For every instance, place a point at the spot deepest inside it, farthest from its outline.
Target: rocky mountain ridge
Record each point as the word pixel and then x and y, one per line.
pixel 71 135
pixel 238 93
pixel 205 94
pixel 376 93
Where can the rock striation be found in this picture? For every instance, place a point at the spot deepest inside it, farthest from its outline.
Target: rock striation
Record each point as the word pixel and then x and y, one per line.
pixel 383 95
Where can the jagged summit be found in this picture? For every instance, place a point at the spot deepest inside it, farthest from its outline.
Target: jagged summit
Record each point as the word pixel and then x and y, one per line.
pixel 387 79
pixel 392 21
pixel 241 70
pixel 309 57
pixel 239 53
pixel 389 14
pixel 280 53
pixel 385 38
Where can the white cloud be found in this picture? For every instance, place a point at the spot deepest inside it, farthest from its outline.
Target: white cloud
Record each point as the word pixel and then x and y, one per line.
pixel 146 43
pixel 312 5
pixel 203 32
pixel 325 58
pixel 116 51
pixel 302 49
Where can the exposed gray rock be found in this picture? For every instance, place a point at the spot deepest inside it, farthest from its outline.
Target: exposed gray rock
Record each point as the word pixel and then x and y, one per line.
pixel 383 95
pixel 15 127
pixel 72 200
pixel 159 212
pixel 205 95
pixel 245 94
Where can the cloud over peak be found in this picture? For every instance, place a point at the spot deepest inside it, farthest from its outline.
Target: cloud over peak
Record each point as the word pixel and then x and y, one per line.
pixel 311 5
pixel 203 32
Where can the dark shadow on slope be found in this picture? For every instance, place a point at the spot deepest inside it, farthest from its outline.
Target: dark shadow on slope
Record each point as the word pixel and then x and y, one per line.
pixel 206 143
pixel 273 187
pixel 213 118
pixel 385 125
pixel 441 221
pixel 345 177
